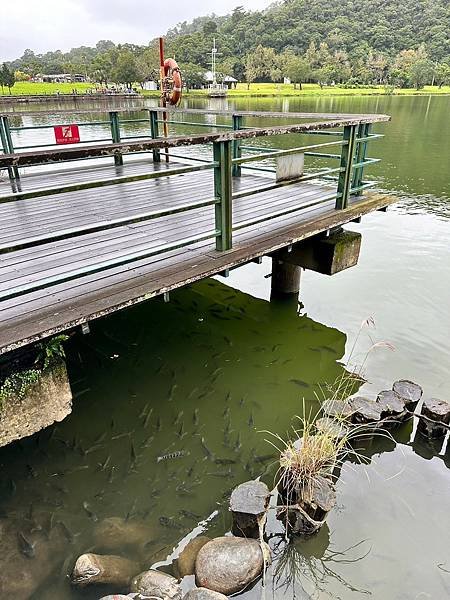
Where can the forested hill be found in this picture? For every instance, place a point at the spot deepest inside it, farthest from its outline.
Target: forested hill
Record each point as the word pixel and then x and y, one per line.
pixel 355 26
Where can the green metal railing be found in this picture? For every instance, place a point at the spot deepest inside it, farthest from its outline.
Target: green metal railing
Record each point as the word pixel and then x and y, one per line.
pixel 230 155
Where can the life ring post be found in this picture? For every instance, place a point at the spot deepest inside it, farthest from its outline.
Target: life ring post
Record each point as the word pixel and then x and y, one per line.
pixel 162 78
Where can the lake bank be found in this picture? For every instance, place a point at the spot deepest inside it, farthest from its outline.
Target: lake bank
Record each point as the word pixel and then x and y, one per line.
pixel 257 90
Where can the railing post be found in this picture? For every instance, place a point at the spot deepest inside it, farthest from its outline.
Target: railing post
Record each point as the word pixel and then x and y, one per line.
pixel 237 124
pixel 345 176
pixel 360 156
pixel 223 190
pixel 154 129
pixel 8 146
pixel 115 135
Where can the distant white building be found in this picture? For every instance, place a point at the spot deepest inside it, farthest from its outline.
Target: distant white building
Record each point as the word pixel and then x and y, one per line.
pixel 227 80
pixel 150 85
pixel 61 78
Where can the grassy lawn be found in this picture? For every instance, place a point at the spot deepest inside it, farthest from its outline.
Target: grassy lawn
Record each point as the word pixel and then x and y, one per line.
pixel 26 88
pixel 256 89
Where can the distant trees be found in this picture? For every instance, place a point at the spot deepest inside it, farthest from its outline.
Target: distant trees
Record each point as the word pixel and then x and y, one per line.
pixel 7 78
pixel 126 69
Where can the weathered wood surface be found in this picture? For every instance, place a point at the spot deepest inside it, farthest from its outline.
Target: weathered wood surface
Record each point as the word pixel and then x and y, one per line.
pixel 36 157
pixel 44 312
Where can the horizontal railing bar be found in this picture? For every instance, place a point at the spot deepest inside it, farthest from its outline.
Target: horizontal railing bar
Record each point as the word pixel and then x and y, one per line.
pixel 133 137
pixel 300 149
pixel 343 117
pixel 262 149
pixel 204 160
pixel 66 234
pixel 104 265
pixel 133 121
pixel 323 155
pixel 84 124
pixel 56 145
pixel 372 136
pixel 194 124
pixel 16 160
pixel 311 132
pixel 266 170
pixel 281 213
pixel 278 184
pixel 365 185
pixel 366 161
pixel 87 185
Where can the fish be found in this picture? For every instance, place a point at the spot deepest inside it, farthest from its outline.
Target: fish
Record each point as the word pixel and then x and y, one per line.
pixel 132 511
pixel 178 417
pixel 122 435
pixel 226 412
pixel 195 418
pixel 133 453
pixel 158 424
pixel 208 452
pixel 148 442
pixel 225 461
pixel 328 349
pixel 100 438
pixel 263 458
pixel 143 411
pixel 177 454
pixel 111 474
pixel 181 433
pixel 228 473
pixel 171 392
pixel 31 472
pixel 78 468
pixel 228 341
pixel 238 444
pixel 94 448
pixel 190 515
pixel 26 547
pixel 147 418
pixel 182 490
pixel 170 523
pixel 105 463
pixel 251 422
pixel 67 532
pixel 89 512
pixel 300 383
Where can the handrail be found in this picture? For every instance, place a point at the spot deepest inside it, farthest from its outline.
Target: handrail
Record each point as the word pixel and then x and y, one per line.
pixel 111 149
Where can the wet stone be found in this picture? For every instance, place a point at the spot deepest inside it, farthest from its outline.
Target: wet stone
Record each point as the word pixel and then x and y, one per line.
pixel 115 533
pixel 157 584
pixel 248 504
pixel 185 563
pixel 364 410
pixel 408 391
pixel 103 569
pixel 437 415
pixel 228 564
pixel 204 594
pixel 391 405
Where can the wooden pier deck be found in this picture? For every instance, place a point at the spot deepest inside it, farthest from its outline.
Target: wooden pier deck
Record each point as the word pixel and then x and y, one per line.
pixel 47 242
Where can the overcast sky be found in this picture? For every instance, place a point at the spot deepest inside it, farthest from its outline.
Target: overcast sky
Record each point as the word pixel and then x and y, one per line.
pixel 63 24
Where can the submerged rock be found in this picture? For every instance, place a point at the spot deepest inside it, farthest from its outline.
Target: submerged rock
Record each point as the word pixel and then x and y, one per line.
pixel 104 569
pixel 229 564
pixel 409 392
pixel 185 563
pixel 436 415
pixel 204 594
pixel 115 534
pixel 157 584
pixel 249 503
pixel 337 409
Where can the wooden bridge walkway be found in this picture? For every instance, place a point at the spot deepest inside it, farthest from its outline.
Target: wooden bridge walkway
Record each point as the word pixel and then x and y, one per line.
pixel 65 256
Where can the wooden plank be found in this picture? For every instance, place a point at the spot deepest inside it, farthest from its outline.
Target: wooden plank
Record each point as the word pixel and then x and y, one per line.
pixel 192 270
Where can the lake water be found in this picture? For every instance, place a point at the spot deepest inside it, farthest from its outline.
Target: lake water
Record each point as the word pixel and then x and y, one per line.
pixel 219 364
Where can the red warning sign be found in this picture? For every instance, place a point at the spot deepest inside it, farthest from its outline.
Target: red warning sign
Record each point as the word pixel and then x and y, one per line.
pixel 67 134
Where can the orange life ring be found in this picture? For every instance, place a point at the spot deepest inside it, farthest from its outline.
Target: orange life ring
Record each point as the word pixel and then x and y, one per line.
pixel 172 74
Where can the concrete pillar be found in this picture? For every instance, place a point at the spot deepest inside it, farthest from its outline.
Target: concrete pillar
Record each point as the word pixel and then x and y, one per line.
pixel 285 278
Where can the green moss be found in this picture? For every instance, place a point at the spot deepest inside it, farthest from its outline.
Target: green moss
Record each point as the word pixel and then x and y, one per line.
pixel 18 383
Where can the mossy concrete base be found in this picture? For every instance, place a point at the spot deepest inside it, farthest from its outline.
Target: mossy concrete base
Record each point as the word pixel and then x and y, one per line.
pixel 48 400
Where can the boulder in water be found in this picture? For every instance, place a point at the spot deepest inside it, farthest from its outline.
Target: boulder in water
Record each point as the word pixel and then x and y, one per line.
pixel 204 594
pixel 229 564
pixel 436 418
pixel 157 584
pixel 103 569
pixel 113 534
pixel 364 410
pixel 392 407
pixel 185 563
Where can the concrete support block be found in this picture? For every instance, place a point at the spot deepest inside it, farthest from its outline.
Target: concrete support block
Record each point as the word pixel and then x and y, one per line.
pixel 325 254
